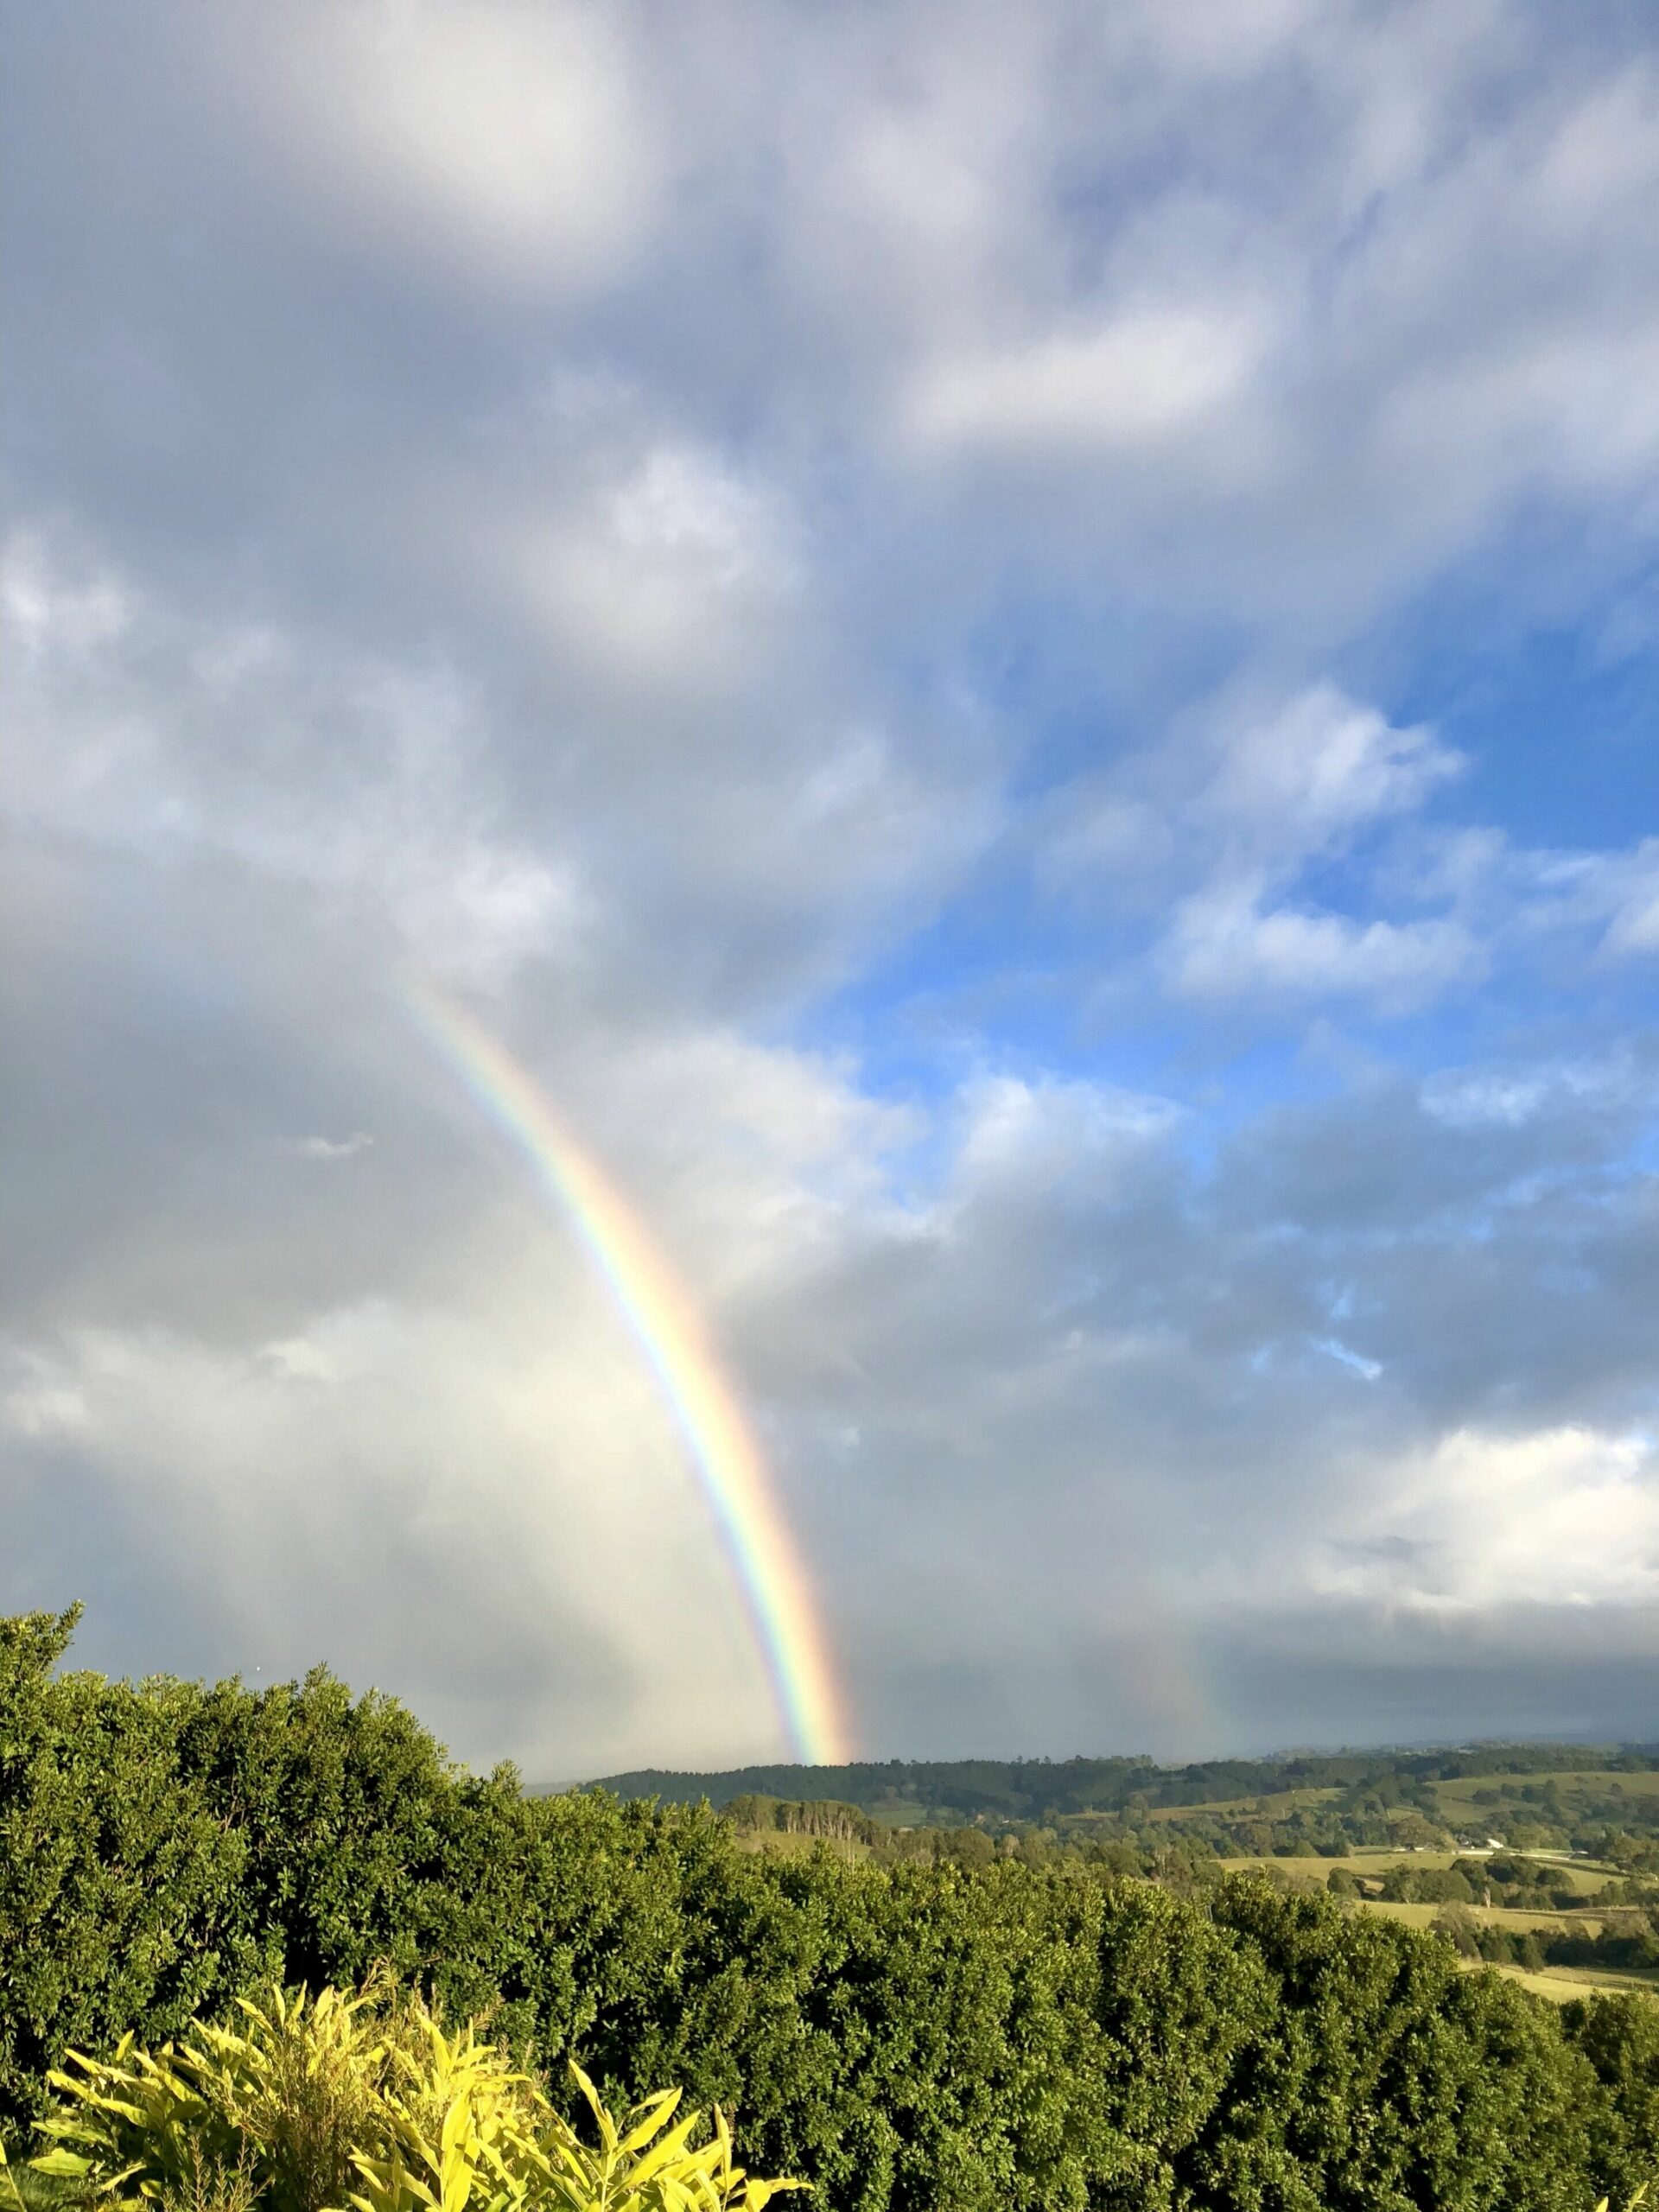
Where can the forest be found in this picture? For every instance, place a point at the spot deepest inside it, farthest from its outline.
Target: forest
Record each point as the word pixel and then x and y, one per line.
pixel 1562 1792
pixel 922 2031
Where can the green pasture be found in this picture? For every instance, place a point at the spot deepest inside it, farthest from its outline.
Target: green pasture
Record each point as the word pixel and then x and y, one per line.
pixel 1459 1798
pixel 899 1812
pixel 1517 1920
pixel 1277 1805
pixel 781 1843
pixel 1562 1984
pixel 1370 1861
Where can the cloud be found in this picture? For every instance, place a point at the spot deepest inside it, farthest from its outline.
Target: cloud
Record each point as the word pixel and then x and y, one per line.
pixel 1218 829
pixel 1563 1516
pixel 1149 378
pixel 1011 1126
pixel 1223 941
pixel 514 138
pixel 385 1444
pixel 163 737
pixel 964 644
pixel 335 1148
pixel 1306 779
pixel 1633 927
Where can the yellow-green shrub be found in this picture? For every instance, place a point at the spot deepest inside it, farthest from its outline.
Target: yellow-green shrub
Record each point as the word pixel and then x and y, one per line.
pixel 316 2105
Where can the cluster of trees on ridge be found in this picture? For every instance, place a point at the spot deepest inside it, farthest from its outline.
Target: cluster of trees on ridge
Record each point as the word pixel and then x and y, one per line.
pixel 1542 1796
pixel 925 2036
pixel 1625 1936
pixel 1047 1789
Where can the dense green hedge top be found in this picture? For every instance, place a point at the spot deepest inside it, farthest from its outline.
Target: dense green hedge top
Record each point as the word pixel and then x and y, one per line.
pixel 923 2037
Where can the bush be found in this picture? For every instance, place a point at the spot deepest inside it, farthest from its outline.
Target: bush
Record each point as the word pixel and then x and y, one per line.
pixel 365 2101
pixel 928 2037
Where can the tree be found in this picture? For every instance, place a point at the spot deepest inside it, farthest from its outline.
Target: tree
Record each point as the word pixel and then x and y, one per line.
pixel 1458 1926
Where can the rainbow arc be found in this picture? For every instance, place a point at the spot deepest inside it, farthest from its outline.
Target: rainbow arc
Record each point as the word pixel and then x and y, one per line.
pixel 720 1449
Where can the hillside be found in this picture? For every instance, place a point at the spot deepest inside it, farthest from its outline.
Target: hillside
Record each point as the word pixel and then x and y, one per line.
pixel 1328 1799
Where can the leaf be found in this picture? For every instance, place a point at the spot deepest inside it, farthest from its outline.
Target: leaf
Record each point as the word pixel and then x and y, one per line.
pixel 606 2124
pixel 67 2164
pixel 654 2114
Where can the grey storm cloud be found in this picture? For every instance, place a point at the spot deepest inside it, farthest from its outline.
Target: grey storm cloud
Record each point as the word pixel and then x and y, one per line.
pixel 600 509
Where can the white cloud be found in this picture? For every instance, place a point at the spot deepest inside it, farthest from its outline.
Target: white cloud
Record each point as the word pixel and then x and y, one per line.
pixel 1346 1356
pixel 524 533
pixel 160 736
pixel 470 1466
pixel 1217 826
pixel 677 575
pixel 1565 1516
pixel 1511 1097
pixel 1033 1133
pixel 1149 378
pixel 336 1147
pixel 43 610
pixel 1305 779
pixel 1579 408
pixel 1608 899
pixel 512 135
pixel 1633 927
pixel 1223 943
pixel 41 1401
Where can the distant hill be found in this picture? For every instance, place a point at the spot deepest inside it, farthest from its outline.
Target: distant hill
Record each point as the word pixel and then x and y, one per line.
pixel 945 1790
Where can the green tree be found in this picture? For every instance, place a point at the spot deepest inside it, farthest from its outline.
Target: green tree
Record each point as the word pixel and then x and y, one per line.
pixel 122 1892
pixel 929 2036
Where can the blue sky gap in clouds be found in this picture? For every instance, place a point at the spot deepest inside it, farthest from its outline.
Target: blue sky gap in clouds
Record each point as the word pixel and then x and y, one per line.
pixel 1016 651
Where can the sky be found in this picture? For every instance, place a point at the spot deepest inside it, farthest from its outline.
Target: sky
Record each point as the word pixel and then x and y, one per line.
pixel 1013 651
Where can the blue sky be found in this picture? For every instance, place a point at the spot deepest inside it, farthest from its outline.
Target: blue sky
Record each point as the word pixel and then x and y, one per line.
pixel 1016 652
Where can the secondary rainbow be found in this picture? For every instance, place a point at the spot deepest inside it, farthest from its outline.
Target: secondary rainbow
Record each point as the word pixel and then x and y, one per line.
pixel 729 1468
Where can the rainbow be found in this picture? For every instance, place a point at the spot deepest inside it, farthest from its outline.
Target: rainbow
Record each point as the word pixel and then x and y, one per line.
pixel 731 1473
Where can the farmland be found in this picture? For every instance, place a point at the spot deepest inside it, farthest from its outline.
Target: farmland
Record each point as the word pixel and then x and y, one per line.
pixel 1538 1861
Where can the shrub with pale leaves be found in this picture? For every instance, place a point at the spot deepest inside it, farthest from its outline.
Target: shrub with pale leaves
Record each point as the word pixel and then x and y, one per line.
pixel 318 2104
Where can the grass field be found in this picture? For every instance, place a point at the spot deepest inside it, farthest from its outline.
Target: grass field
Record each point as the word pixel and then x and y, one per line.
pixel 1371 1863
pixel 1497 1915
pixel 1560 1984
pixel 1372 1860
pixel 781 1845
pixel 1274 1807
pixel 1460 1800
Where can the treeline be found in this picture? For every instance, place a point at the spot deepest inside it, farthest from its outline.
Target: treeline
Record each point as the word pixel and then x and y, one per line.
pixel 1613 1947
pixel 928 2037
pixel 1045 1790
pixel 1184 1856
pixel 820 1817
pixel 1516 1885
pixel 827 1820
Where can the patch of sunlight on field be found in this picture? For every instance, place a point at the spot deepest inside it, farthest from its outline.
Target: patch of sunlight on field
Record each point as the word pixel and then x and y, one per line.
pixel 1562 1984
pixel 1599 1781
pixel 1516 1922
pixel 1274 1806
pixel 780 1844
pixel 1372 1860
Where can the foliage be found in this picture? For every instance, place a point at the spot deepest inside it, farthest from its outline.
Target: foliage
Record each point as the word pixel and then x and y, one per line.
pixel 952 1791
pixel 1016 2026
pixel 795 1816
pixel 1620 2037
pixel 308 2104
